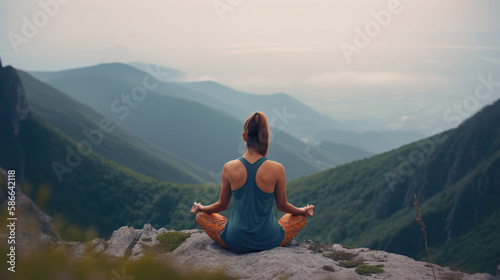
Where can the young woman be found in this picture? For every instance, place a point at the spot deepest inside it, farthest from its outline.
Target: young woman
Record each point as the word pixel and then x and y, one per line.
pixel 255 182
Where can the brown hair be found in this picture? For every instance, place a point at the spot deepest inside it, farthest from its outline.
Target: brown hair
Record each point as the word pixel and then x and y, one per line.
pixel 256 130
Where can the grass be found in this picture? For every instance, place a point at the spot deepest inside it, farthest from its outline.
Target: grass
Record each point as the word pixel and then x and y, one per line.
pixel 420 221
pixel 346 247
pixel 59 264
pixel 320 247
pixel 170 241
pixel 339 255
pixel 328 268
pixel 366 269
pixel 351 264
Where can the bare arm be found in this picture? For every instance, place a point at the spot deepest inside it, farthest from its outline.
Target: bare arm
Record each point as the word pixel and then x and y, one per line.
pixel 224 198
pixel 280 197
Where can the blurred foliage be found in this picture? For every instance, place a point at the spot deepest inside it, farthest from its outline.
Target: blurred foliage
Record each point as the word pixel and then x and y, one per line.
pixel 59 264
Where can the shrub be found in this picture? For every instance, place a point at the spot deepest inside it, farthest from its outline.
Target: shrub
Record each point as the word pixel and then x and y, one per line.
pixel 170 241
pixel 366 269
pixel 339 255
pixel 351 264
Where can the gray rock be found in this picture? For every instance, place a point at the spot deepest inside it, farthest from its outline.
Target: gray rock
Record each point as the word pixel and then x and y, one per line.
pixel 294 261
pixel 99 247
pixel 137 252
pixel 498 271
pixel 77 249
pixel 121 241
pixel 148 236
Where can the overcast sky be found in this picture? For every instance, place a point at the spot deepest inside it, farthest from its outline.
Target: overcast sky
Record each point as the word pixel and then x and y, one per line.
pixel 426 57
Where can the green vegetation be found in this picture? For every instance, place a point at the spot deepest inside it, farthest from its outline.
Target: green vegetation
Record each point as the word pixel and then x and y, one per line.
pixel 351 264
pixel 328 268
pixel 455 184
pixel 99 196
pixel 339 255
pixel 169 241
pixel 121 145
pixel 366 269
pixel 319 247
pixel 58 264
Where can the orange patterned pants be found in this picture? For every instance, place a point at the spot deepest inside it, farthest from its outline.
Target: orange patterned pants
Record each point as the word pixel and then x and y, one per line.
pixel 213 224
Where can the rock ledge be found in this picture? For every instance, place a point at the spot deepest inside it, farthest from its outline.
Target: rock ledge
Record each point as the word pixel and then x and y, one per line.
pixel 297 260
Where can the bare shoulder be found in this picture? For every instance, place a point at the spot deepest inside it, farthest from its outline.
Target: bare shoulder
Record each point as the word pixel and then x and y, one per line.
pixel 232 166
pixel 274 165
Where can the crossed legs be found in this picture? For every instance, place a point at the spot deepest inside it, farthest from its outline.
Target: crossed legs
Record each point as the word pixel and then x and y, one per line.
pixel 213 224
pixel 292 224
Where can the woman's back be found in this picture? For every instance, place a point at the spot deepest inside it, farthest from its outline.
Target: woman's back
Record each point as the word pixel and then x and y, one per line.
pixel 266 176
pixel 255 183
pixel 252 225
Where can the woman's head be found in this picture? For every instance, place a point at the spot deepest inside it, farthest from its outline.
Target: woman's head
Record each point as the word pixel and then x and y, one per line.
pixel 256 133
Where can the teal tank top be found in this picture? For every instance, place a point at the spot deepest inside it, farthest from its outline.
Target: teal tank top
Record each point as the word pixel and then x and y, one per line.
pixel 252 226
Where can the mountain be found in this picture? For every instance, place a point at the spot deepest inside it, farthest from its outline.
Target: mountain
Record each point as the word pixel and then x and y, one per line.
pixel 337 154
pixel 97 194
pixel 372 141
pixel 456 177
pixel 282 109
pixel 121 145
pixel 201 134
pixel 160 72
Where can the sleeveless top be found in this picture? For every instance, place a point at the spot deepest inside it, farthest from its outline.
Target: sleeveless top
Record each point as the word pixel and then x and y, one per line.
pixel 252 226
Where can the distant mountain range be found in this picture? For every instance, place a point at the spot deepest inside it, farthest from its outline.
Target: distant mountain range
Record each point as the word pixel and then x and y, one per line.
pixel 122 146
pixel 201 127
pixel 373 141
pixel 456 177
pixel 96 193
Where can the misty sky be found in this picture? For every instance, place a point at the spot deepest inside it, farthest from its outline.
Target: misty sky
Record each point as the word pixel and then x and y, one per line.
pixel 426 58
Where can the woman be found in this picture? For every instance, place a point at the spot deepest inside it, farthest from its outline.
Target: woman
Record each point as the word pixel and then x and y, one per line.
pixel 254 182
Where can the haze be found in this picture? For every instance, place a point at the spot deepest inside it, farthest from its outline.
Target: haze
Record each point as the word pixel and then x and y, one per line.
pixel 425 61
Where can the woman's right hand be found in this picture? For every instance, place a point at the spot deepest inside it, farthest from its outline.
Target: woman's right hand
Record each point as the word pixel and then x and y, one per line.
pixel 196 207
pixel 308 210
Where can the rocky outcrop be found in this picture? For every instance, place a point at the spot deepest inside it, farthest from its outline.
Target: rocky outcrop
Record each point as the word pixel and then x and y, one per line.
pixel 297 260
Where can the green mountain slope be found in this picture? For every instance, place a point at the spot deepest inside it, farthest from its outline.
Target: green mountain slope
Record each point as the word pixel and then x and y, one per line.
pixel 203 135
pixel 98 194
pixel 456 176
pixel 121 146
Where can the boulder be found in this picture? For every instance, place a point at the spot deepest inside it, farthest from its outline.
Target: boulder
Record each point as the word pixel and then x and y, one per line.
pixel 122 240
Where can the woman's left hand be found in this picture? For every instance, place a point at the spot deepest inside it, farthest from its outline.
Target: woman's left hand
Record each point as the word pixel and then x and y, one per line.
pixel 196 207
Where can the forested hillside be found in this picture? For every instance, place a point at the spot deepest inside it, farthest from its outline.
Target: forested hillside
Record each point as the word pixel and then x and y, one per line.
pixel 456 178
